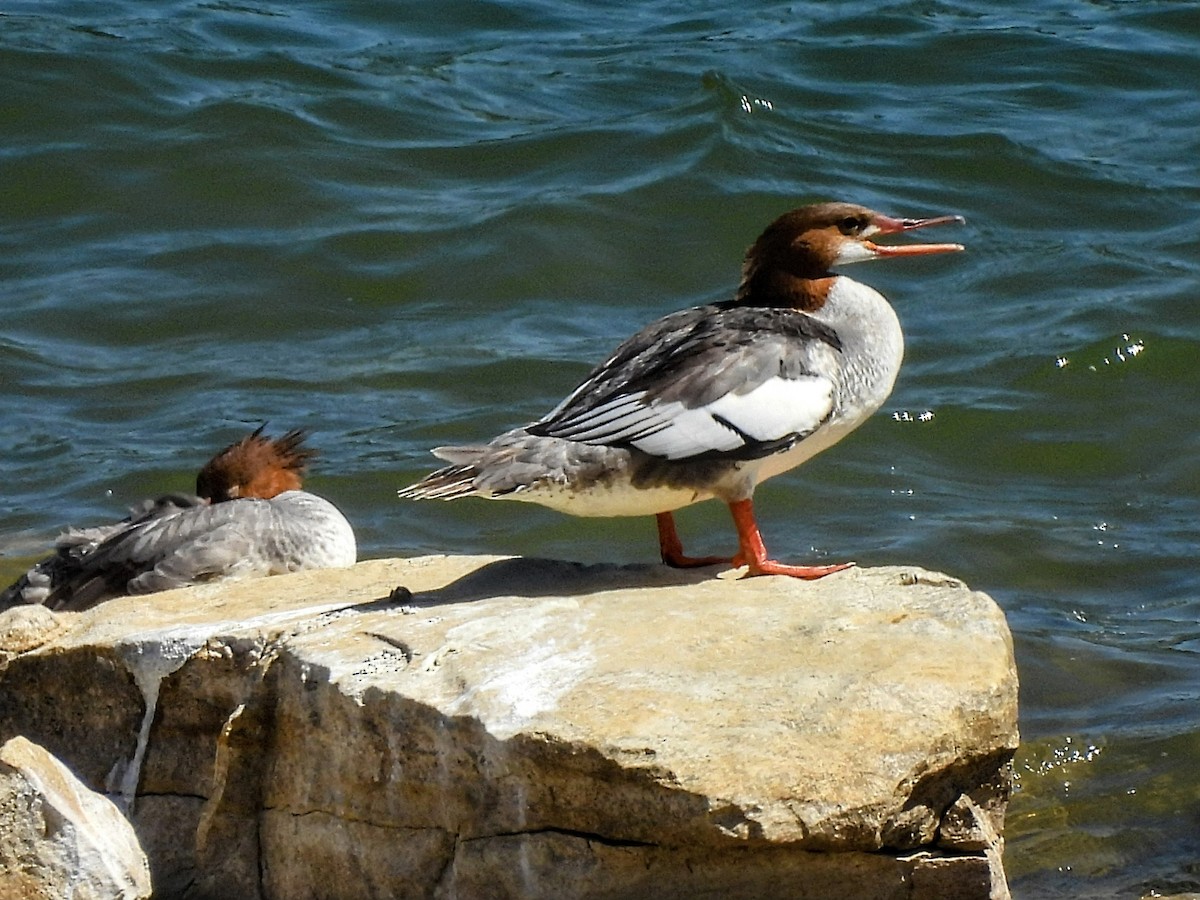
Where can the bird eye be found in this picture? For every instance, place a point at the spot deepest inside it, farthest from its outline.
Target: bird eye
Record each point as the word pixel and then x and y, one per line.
pixel 851 226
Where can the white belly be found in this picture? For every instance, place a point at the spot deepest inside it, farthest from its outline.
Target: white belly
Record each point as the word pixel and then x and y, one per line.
pixel 619 499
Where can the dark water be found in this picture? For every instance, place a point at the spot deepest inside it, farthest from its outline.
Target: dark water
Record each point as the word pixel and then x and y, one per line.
pixel 400 225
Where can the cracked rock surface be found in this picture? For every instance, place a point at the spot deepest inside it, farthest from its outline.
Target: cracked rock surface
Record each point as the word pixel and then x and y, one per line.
pixel 489 727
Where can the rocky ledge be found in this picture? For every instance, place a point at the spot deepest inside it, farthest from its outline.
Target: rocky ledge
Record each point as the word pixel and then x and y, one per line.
pixel 481 727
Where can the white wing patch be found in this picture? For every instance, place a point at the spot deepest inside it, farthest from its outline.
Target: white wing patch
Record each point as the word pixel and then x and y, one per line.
pixel 689 432
pixel 777 408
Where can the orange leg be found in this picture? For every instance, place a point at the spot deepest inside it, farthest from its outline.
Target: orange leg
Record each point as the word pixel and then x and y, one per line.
pixel 671 547
pixel 753 553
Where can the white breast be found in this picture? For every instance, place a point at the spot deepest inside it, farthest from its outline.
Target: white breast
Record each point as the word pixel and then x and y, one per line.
pixel 872 349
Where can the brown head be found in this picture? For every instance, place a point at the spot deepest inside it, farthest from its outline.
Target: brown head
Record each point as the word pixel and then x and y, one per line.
pixel 255 466
pixel 790 263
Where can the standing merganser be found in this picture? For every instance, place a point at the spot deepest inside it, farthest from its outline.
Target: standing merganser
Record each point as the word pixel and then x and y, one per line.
pixel 249 518
pixel 707 402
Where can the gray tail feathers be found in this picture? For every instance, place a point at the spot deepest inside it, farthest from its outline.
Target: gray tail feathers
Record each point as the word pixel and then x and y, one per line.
pixel 444 484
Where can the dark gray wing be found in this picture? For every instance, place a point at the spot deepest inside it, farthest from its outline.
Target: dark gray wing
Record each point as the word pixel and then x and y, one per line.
pixel 716 380
pixel 167 551
pixel 47 578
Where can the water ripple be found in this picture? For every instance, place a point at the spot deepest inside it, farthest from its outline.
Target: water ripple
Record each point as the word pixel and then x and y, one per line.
pixel 401 226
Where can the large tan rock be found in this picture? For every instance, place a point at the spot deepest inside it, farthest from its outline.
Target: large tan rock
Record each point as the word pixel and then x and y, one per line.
pixel 57 838
pixel 525 728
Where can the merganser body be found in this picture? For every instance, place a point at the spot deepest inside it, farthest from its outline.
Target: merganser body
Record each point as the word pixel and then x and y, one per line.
pixel 249 518
pixel 707 402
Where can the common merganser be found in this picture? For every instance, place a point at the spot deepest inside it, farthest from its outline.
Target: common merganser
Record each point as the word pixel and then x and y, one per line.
pixel 249 518
pixel 707 402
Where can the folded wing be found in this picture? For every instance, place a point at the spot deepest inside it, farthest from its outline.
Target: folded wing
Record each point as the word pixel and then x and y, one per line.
pixel 713 381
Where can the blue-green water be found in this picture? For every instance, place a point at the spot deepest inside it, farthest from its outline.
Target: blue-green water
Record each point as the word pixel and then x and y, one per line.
pixel 400 225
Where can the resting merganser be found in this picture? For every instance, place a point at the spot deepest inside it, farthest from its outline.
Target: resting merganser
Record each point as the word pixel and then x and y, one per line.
pixel 707 402
pixel 249 518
